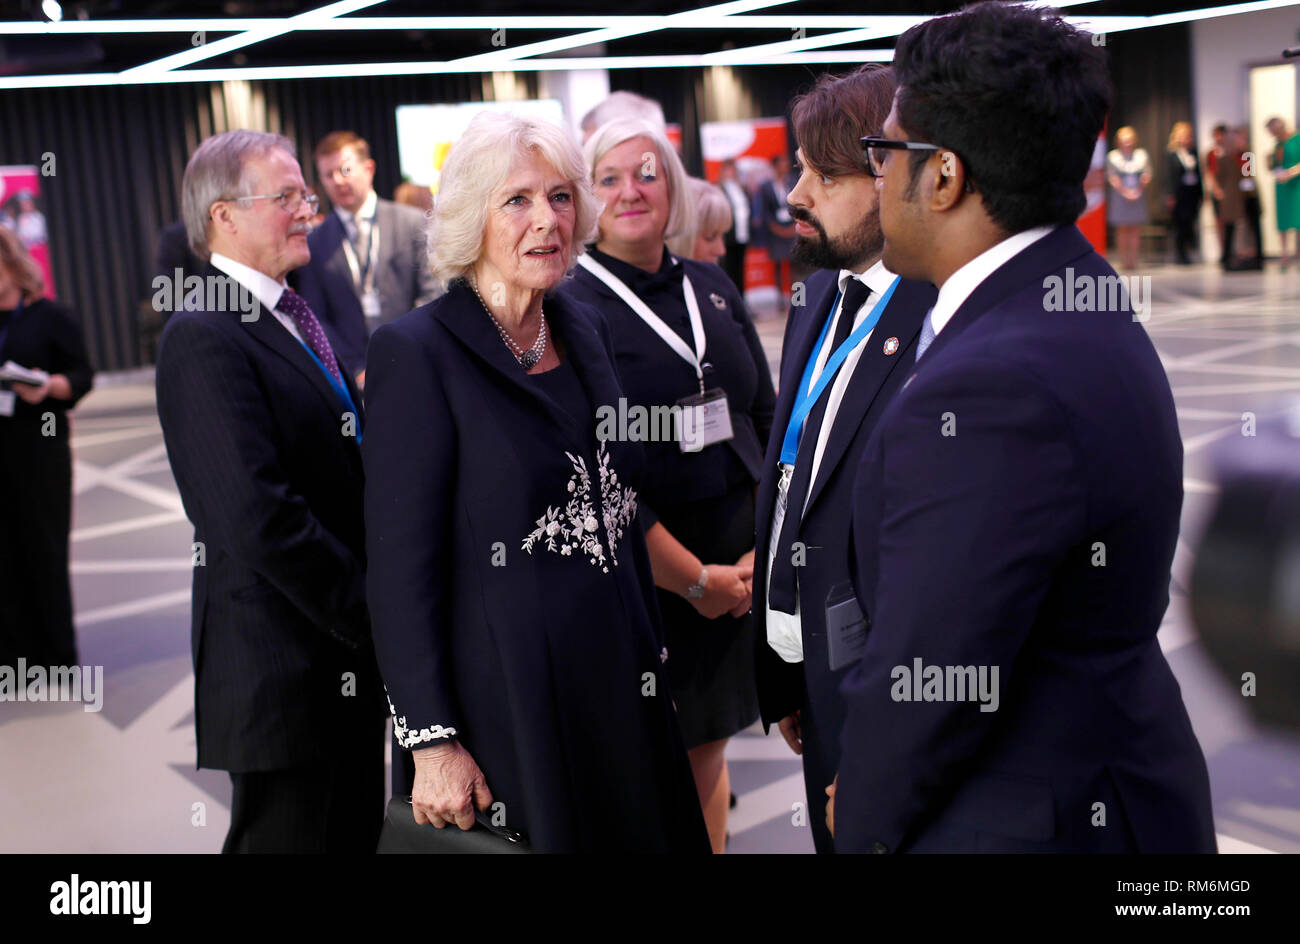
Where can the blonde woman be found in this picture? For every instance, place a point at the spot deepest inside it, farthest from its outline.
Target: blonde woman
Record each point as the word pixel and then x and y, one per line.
pixel 712 223
pixel 509 583
pixel 1128 170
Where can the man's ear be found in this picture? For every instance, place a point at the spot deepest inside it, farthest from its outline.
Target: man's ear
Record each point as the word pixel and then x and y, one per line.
pixel 949 184
pixel 222 218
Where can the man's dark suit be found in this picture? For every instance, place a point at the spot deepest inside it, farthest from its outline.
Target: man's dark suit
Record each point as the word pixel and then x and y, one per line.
pixel 810 687
pixel 1017 508
pixel 402 280
pixel 255 435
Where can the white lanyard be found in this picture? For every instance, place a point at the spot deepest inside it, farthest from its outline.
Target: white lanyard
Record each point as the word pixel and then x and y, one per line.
pixel 668 335
pixel 363 279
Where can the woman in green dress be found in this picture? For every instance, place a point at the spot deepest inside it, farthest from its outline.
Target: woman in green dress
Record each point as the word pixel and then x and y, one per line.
pixel 1285 164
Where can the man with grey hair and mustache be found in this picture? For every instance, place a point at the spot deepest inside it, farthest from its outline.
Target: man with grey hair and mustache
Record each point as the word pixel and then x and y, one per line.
pixel 262 428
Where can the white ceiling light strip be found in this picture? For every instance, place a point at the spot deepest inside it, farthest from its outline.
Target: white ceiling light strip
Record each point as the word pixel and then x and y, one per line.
pixel 708 17
pixel 230 43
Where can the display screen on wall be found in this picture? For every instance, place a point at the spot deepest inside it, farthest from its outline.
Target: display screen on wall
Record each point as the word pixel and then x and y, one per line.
pixel 425 133
pixel 21 211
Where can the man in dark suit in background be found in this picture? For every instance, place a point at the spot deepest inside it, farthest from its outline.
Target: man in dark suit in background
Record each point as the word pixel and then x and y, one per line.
pixel 736 239
pixel 368 261
pixel 803 529
pixel 262 429
pixel 1015 514
pixel 773 229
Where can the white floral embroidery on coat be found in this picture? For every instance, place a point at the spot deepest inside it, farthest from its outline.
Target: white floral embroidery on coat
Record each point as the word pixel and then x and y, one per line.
pixel 576 528
pixel 408 738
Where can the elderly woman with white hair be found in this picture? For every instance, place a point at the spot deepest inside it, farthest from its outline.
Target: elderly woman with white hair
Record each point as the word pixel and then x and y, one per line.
pixel 684 343
pixel 508 577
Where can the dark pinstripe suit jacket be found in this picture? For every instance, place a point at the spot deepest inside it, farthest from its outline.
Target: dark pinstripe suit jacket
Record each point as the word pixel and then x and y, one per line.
pixel 273 486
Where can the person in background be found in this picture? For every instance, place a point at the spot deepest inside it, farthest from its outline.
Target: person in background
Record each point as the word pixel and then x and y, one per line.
pixel 368 262
pixel 1284 162
pixel 622 105
pixel 1252 211
pixel 510 585
pixel 1213 156
pixel 737 237
pixel 413 195
pixel 1128 171
pixel 263 428
pixel 773 227
pixel 683 339
pixel 36 470
pixel 1183 176
pixel 712 220
pixel 1230 200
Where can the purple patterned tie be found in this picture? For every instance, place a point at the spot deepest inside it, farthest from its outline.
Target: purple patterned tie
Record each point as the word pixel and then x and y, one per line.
pixel 293 305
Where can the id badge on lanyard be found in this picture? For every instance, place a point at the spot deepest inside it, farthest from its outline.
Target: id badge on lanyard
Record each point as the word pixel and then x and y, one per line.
pixel 364 278
pixel 702 419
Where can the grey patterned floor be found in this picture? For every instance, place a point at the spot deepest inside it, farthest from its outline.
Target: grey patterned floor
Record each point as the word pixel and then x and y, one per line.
pixel 123 779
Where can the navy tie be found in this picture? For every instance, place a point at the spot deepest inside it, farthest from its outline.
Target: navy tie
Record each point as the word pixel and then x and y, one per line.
pixel 781 586
pixel 296 307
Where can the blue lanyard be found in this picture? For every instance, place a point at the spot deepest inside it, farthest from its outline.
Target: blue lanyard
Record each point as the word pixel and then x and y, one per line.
pixel 805 398
pixel 340 389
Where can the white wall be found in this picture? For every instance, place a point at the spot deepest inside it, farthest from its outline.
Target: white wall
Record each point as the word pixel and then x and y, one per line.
pixel 1223 50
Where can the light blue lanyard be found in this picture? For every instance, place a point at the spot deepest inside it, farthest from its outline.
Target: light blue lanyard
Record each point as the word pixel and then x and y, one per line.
pixel 340 389
pixel 805 398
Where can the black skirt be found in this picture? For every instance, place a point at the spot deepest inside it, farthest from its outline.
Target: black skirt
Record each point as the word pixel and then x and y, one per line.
pixel 711 662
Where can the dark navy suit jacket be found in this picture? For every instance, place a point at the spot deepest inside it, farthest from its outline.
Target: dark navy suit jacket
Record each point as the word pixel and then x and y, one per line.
pixel 272 480
pixel 810 686
pixel 1024 444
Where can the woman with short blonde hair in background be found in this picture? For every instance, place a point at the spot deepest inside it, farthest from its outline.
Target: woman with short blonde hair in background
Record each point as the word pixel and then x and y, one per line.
pixel 1128 170
pixel 712 222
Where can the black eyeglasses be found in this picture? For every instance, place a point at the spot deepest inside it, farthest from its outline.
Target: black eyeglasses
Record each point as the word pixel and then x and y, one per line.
pixel 877 151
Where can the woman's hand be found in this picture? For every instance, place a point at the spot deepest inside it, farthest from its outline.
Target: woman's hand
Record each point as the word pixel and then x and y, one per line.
pixel 728 591
pixel 31 393
pixel 448 786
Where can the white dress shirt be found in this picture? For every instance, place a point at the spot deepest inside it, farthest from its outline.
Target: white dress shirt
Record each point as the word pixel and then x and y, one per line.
pixel 739 201
pixel 965 280
pixel 784 630
pixel 266 289
pixel 357 225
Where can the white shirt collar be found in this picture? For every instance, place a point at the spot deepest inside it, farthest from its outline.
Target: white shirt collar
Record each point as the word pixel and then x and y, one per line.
pixel 367 211
pixel 965 280
pixel 267 289
pixel 877 278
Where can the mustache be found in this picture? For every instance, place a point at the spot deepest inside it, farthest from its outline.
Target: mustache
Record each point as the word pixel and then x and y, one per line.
pixel 304 228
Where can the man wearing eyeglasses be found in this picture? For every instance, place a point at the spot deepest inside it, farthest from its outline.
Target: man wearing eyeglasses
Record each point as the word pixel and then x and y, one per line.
pixel 262 425
pixel 368 261
pixel 848 340
pixel 1015 515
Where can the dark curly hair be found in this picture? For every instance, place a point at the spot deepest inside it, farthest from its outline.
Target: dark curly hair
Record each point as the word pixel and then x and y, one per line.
pixel 1018 94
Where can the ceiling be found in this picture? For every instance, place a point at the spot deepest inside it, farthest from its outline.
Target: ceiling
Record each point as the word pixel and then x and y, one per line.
pixel 118 42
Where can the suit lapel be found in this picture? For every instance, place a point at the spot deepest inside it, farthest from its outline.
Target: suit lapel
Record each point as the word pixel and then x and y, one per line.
pixel 901 319
pixel 267 330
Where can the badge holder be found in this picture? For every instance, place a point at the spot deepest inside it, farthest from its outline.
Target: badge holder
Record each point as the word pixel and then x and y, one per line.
pixel 846 627
pixel 703 420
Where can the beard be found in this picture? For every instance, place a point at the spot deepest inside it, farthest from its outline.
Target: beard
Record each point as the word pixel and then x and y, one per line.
pixel 849 251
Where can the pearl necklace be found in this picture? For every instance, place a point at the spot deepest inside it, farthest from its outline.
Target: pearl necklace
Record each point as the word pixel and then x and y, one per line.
pixel 527 359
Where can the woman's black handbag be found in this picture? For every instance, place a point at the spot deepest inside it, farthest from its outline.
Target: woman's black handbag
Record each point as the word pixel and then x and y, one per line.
pixel 402 834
